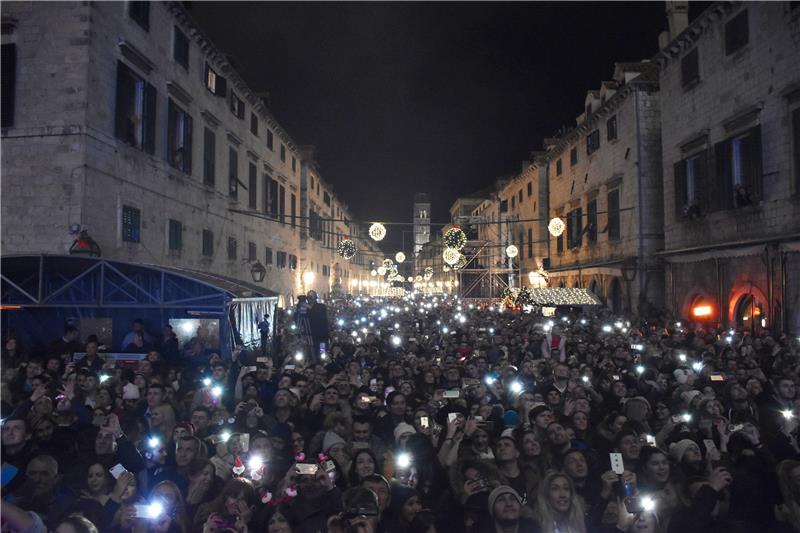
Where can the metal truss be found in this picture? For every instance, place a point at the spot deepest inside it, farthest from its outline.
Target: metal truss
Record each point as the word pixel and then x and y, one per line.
pixel 479 282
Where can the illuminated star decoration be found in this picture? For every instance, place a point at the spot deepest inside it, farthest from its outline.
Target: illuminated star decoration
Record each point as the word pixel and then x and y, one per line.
pixel 556 226
pixel 377 231
pixel 347 249
pixel 455 238
pixel 451 256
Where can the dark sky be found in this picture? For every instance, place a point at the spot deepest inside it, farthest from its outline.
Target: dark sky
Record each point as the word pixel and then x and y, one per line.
pixel 426 97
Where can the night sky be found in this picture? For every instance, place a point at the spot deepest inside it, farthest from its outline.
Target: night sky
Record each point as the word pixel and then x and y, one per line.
pixel 426 97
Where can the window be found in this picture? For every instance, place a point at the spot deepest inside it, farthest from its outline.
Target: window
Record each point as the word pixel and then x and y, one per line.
pixel 690 68
pixel 575 228
pixel 252 183
pixel 232 245
pixel 294 164
pixel 613 215
pixel 270 139
pixel 140 13
pixel 611 128
pixel 208 242
pixel 282 203
pixel 216 84
pixel 559 167
pixel 314 226
pixel 294 209
pixel 237 106
pixel 591 221
pixel 8 78
pixel 738 169
pixel 233 173
pixel 283 153
pixel 593 142
pixel 519 196
pixel 292 262
pixel 281 260
pixel 513 201
pixel 135 119
pixel 326 198
pixel 530 243
pixel 573 156
pixel 530 189
pixel 560 244
pixel 209 158
pixel 180 48
pixel 175 235
pixel 131 224
pixel 270 197
pixel 251 252
pixel 326 270
pixel 312 183
pixel 268 256
pixel 179 138
pixel 253 123
pixel 737 32
pixel 690 185
pixel 504 206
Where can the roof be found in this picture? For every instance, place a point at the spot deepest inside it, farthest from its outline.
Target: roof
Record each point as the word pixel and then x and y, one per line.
pixel 237 288
pixel 557 296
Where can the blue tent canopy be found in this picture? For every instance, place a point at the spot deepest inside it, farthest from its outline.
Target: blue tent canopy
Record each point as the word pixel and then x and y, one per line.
pixel 42 293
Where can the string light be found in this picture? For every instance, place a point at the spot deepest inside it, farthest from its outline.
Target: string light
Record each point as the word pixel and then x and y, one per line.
pixel 556 226
pixel 377 231
pixel 346 249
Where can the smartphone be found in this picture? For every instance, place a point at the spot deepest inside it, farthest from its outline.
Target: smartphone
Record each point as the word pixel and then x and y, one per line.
pixel 361 445
pixel 289 367
pixel 424 422
pixel 479 419
pixel 717 377
pixel 452 417
pixel 117 471
pixel 736 427
pixel 307 469
pixel 616 377
pixel 147 512
pixel 262 359
pixel 451 394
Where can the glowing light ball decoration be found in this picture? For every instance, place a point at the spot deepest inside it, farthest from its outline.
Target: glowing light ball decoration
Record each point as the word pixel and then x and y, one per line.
pixel 373 272
pixel 462 262
pixel 451 256
pixel 410 279
pixel 377 231
pixel 455 238
pixel 400 257
pixel 418 279
pixel 387 264
pixel 428 273
pixel 556 226
pixel 512 251
pixel 346 249
pixel 382 270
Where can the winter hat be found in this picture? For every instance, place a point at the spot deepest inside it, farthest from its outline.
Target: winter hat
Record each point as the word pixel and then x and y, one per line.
pixel 689 395
pixel 539 409
pixel 330 440
pixel 681 375
pixel 403 429
pixel 499 491
pixel 511 418
pixel 130 392
pixel 678 449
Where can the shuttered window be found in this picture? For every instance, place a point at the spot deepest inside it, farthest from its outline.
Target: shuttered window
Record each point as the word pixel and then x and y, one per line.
pixel 135 114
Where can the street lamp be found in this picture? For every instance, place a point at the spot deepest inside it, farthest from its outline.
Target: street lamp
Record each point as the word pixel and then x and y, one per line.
pixel 258 271
pixel 85 245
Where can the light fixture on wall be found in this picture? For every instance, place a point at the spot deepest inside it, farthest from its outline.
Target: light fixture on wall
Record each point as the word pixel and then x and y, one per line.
pixel 85 245
pixel 258 271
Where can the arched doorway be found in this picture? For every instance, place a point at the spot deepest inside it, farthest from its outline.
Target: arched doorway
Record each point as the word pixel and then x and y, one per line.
pixel 615 296
pixel 593 287
pixel 561 284
pixel 750 313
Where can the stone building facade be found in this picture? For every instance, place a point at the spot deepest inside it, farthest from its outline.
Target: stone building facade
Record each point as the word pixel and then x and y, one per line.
pixel 124 120
pixel 604 183
pixel 730 108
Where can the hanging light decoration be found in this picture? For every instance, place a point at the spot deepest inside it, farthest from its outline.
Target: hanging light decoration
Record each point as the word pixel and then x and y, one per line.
pixel 377 231
pixel 418 279
pixel 461 263
pixel 455 238
pixel 346 249
pixel 428 274
pixel 373 272
pixel 399 257
pixel 410 279
pixel 382 270
pixel 512 251
pixel 446 268
pixel 450 256
pixel 387 264
pixel 556 226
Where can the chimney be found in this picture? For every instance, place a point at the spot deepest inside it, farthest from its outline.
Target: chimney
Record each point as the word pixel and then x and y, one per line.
pixel 677 17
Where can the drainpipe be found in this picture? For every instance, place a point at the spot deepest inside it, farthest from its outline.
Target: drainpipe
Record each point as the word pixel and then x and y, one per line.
pixel 640 245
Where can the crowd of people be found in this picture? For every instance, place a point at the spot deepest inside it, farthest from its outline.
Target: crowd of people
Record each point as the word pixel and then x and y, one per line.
pixel 417 415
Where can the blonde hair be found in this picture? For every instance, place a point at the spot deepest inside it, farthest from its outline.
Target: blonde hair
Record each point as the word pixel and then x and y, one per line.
pixel 549 518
